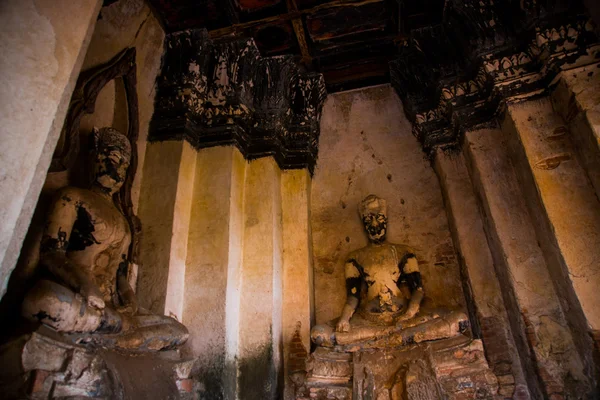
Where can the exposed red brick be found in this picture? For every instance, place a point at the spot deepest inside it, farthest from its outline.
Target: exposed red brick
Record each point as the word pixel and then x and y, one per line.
pixel 38 383
pixel 529 331
pixel 297 353
pixel 185 385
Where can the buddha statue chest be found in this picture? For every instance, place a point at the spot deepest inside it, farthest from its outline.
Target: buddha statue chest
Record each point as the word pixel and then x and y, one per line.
pixel 379 266
pixel 99 239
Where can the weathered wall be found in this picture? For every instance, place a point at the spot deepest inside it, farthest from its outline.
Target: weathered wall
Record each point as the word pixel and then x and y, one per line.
pixel 565 210
pixel 366 146
pixel 43 44
pixel 537 320
pixel 489 316
pixel 577 100
pixel 169 169
pixel 298 282
pixel 130 23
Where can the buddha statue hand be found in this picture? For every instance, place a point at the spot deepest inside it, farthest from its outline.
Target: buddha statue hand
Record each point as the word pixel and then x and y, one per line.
pixel 93 296
pixel 343 325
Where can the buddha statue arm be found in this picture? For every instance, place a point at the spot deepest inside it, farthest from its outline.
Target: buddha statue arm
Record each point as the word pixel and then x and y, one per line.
pixel 411 278
pixel 126 294
pixel 53 251
pixel 353 284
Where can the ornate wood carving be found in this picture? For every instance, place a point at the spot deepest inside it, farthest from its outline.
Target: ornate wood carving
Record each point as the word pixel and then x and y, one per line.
pixel 83 101
pixel 485 54
pixel 224 92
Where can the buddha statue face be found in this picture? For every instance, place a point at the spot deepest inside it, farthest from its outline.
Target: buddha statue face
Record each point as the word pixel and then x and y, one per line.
pixel 113 155
pixel 373 211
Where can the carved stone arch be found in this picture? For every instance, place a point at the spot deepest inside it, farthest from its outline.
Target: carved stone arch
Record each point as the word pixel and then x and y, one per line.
pixel 83 101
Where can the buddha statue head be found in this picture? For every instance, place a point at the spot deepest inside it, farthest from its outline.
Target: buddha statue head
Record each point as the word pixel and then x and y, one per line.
pixel 373 212
pixel 112 158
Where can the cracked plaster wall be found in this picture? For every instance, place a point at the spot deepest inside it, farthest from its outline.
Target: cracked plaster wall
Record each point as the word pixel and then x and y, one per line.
pixel 130 23
pixel 366 146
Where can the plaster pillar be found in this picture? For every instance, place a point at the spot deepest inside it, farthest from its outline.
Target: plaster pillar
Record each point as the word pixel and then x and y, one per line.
pixel 43 46
pixel 488 315
pixel 261 277
pixel 549 356
pixel 298 288
pixel 566 212
pixel 577 100
pixel 211 309
pixel 165 208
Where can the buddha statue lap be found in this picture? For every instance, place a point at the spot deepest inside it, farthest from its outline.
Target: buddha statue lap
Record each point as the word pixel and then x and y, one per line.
pixel 384 295
pixel 85 293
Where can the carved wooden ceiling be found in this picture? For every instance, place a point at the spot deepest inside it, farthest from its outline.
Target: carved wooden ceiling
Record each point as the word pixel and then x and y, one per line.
pixel 350 41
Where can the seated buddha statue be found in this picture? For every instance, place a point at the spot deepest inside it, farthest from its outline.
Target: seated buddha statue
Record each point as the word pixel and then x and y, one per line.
pixel 384 294
pixel 84 291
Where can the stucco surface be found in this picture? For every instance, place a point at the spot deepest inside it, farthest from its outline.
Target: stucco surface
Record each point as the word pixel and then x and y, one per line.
pixel 521 266
pixel 577 99
pixel 130 23
pixel 366 147
pixel 170 169
pixel 206 277
pixel 464 213
pixel 298 292
pixel 491 319
pixel 42 50
pixel 567 197
pixel 260 321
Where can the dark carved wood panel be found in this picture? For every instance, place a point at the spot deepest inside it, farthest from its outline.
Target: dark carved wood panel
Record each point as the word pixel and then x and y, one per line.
pixel 221 92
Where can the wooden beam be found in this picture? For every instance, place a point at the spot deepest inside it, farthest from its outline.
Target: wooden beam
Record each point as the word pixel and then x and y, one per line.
pixel 300 34
pixel 291 15
pixel 231 11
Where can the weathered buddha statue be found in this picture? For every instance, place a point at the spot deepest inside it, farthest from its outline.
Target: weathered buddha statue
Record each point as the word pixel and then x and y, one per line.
pixel 385 294
pixel 85 292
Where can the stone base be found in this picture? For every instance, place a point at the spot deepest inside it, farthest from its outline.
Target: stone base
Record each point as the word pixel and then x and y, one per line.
pixel 43 365
pixel 446 369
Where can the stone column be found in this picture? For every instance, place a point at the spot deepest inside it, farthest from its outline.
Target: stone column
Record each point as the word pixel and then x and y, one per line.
pixel 165 207
pixel 211 309
pixel 565 209
pixel 539 325
pixel 577 100
pixel 298 290
pixel 43 47
pixel 488 314
pixel 232 105
pixel 260 320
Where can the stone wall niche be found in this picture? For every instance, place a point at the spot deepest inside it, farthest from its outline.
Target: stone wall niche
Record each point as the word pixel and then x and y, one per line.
pixel 83 333
pixel 369 341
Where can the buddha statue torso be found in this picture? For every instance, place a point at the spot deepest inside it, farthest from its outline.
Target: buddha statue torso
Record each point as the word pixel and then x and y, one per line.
pixel 100 238
pixel 381 297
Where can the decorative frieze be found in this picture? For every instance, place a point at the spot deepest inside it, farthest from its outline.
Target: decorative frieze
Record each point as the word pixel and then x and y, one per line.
pixel 302 139
pixel 218 93
pixel 493 52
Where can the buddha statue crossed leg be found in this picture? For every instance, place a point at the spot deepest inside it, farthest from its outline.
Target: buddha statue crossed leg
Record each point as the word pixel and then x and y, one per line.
pixel 83 256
